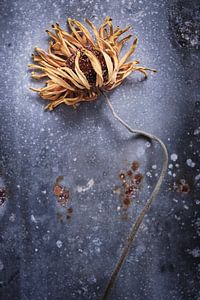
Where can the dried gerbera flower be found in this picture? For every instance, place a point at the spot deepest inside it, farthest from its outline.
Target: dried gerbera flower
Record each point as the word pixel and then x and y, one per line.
pixel 77 66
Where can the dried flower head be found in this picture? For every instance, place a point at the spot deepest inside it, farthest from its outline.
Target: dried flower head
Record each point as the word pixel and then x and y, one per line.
pixel 77 65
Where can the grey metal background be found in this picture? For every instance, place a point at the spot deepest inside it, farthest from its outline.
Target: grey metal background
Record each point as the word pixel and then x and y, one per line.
pixel 87 143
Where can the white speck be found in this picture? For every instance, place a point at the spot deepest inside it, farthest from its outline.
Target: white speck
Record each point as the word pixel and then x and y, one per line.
pixel 186 207
pixel 170 173
pixel 59 244
pixel 175 200
pixel 18 186
pixel 190 163
pixel 197 131
pixel 140 151
pixel 147 144
pixel 197 177
pixel 176 165
pixel 44 192
pixel 170 166
pixel 92 279
pixel 174 174
pixel 36 250
pixel 12 217
pixel 197 202
pixel 154 167
pixel 148 174
pixel 74 159
pixel 97 242
pixel 195 252
pixel 118 208
pixel 1 265
pixel 177 217
pixel 33 219
pixel 89 185
pixel 174 156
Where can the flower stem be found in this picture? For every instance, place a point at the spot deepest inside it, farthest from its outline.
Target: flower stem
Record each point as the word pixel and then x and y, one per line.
pixel 135 227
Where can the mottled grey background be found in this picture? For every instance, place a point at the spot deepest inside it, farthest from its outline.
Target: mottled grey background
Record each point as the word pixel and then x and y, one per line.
pixel 41 258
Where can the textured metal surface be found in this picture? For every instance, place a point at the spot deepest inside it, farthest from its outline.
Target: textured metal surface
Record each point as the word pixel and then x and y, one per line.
pixel 43 258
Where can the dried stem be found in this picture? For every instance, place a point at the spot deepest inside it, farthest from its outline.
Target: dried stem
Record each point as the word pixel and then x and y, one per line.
pixel 135 227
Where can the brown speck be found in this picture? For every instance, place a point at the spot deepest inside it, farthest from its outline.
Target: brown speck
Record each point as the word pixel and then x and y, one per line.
pixel 59 217
pixel 2 196
pixel 135 166
pixel 117 190
pixel 127 201
pixel 70 210
pixel 57 190
pixel 129 173
pixel 138 178
pixel 182 186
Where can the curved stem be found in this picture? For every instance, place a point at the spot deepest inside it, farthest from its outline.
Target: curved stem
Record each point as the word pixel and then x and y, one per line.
pixel 135 227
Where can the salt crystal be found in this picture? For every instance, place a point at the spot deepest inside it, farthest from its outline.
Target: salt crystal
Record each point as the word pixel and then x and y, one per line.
pixel 174 157
pixel 59 244
pixel 190 163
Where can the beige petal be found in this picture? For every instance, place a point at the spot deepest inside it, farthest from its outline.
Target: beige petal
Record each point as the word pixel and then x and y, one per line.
pixel 128 54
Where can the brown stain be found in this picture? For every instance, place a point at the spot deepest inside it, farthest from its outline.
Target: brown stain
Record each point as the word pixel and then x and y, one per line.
pixel 62 194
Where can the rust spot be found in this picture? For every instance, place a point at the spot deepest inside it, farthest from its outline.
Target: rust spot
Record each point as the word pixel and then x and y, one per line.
pixel 61 192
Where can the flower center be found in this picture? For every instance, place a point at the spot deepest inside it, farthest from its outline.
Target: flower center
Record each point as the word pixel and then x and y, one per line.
pixel 86 66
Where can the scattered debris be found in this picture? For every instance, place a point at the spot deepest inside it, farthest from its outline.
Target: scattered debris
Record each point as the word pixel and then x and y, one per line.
pixel 131 181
